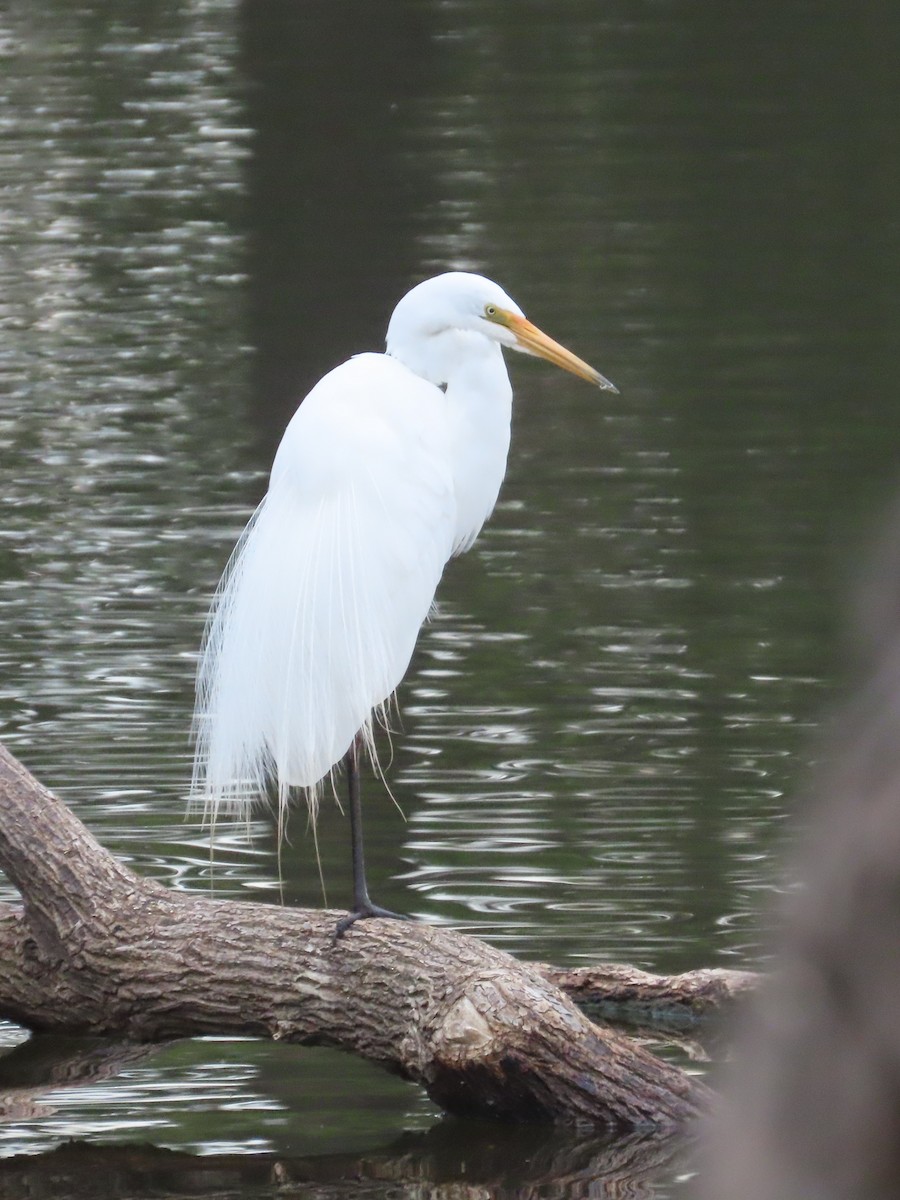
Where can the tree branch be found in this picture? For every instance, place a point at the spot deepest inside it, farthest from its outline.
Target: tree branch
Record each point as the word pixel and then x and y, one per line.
pixel 613 991
pixel 96 949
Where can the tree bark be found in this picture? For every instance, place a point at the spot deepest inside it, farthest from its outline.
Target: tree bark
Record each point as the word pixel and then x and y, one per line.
pixel 96 949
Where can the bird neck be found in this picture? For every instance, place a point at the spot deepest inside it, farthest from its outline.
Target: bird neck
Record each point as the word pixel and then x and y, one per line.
pixel 450 358
pixel 478 412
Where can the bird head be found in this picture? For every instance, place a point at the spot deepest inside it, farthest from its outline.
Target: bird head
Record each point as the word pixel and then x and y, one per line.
pixel 458 301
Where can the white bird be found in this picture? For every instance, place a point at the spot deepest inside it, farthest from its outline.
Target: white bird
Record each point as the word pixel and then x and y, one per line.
pixel 389 468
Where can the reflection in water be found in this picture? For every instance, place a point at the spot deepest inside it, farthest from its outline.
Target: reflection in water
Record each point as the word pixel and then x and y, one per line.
pixel 605 715
pixel 450 1160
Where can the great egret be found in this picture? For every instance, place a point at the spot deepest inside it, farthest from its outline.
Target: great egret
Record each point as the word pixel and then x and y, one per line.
pixel 389 467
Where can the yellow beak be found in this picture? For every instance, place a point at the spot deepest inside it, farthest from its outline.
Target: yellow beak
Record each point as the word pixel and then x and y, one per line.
pixel 532 340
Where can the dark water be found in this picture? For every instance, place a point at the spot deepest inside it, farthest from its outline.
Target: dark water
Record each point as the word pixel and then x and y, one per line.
pixel 203 208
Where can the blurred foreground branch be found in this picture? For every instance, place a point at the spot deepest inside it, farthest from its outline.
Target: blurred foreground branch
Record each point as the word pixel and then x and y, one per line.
pixel 812 1097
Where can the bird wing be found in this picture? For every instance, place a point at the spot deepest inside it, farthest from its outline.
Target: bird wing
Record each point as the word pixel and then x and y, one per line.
pixel 317 615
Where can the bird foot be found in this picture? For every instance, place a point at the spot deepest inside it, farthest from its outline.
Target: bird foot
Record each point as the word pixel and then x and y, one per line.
pixel 361 912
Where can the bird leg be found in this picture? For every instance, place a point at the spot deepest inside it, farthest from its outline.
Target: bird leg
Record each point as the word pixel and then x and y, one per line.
pixel 362 905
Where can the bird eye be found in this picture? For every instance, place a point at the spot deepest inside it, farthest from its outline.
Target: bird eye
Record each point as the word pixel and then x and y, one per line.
pixel 490 310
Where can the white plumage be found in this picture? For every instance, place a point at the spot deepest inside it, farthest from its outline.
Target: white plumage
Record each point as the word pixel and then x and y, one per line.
pixel 317 616
pixel 391 464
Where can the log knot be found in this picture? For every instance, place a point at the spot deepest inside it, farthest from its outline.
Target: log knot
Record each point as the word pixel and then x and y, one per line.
pixel 464 1031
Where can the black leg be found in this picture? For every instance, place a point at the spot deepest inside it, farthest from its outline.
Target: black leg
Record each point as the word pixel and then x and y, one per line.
pixel 362 905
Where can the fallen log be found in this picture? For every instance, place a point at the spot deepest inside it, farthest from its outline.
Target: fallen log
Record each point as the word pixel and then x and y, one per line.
pixel 96 949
